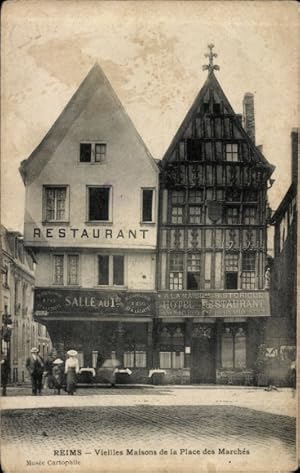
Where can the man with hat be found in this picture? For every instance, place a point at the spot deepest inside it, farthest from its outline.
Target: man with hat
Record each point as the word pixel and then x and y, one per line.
pixel 35 367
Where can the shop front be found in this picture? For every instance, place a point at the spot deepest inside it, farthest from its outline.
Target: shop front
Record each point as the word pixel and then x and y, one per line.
pixel 100 325
pixel 213 336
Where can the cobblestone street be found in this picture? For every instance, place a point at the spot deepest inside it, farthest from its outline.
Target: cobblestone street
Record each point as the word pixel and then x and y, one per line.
pixel 154 420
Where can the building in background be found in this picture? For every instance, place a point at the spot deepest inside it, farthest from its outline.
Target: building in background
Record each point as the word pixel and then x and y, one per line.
pixel 213 297
pixel 18 279
pixel 280 330
pixel 91 221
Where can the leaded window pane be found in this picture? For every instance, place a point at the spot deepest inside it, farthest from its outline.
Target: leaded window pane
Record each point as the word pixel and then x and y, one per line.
pixel 177 214
pixel 73 267
pixel 58 269
pixel 195 214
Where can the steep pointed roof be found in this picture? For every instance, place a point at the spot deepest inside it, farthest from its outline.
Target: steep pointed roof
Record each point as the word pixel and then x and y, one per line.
pixel 31 167
pixel 213 84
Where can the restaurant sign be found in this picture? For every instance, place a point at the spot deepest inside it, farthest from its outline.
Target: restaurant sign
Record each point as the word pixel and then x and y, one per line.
pixel 213 304
pixel 49 302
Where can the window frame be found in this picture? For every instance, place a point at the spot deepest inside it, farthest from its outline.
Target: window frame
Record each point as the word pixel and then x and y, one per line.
pixel 47 187
pixel 111 270
pixel 93 144
pixel 231 153
pixel 233 332
pixel 110 204
pixel 65 269
pixel 153 209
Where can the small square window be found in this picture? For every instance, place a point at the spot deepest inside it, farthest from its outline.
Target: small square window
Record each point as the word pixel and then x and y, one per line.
pixel 233 215
pixel 92 152
pixel 194 152
pixel 195 214
pixel 217 108
pixel 232 152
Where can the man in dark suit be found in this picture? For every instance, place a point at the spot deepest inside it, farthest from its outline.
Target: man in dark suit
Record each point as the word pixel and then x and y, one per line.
pixel 35 367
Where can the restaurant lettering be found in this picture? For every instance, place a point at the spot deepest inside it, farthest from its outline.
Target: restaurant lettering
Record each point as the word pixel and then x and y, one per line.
pixel 72 302
pixel 213 304
pixel 90 233
pixel 90 302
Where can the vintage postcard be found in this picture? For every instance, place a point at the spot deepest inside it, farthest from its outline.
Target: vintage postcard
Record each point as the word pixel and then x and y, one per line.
pixel 149 236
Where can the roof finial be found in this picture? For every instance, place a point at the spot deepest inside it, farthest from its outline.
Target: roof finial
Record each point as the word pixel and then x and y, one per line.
pixel 211 66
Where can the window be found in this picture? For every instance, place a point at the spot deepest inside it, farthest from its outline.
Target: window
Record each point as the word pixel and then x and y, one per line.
pixel 55 204
pixel 195 214
pixel 193 271
pixel 111 270
pixel 171 347
pixel 72 269
pixel 194 150
pixel 248 270
pixel 171 359
pixel 176 271
pixel 233 348
pixel 231 270
pixel 66 269
pixel 231 152
pixel 5 276
pixel 177 197
pixel 135 359
pixel 99 203
pixel 92 152
pixel 249 215
pixel 148 205
pixel 196 197
pixel 176 214
pixel 232 215
pixel 250 196
pixel 58 269
pixel 217 108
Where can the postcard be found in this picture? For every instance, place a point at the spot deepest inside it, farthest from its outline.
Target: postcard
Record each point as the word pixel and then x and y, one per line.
pixel 149 236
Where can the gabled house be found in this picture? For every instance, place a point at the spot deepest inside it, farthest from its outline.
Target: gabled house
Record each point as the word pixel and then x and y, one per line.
pixel 91 219
pixel 213 295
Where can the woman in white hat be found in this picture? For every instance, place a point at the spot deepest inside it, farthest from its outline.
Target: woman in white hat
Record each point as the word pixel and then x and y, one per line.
pixel 71 370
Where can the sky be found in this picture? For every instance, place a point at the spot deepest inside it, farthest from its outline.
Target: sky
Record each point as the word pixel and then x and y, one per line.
pixel 152 53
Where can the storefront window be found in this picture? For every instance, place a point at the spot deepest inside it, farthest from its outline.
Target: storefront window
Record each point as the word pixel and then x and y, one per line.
pixel 171 347
pixel 135 359
pixel 234 348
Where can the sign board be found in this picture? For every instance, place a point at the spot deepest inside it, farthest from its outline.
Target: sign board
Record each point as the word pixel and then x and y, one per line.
pixel 79 301
pixel 213 304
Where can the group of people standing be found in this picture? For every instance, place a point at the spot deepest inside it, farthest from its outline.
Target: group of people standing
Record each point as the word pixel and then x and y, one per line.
pixel 57 373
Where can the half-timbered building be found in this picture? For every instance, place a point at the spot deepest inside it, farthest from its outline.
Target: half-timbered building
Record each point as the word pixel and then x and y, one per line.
pixel 212 292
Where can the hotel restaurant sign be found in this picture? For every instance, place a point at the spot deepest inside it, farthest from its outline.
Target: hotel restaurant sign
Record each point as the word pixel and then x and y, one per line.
pixel 49 302
pixel 213 304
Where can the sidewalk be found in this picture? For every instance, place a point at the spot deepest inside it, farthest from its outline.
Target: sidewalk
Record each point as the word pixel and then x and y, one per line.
pixel 281 402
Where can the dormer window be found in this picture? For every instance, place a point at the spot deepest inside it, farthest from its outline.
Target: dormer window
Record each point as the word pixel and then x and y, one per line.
pixel 94 152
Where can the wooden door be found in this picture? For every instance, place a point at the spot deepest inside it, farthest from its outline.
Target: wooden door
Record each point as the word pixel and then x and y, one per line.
pixel 203 360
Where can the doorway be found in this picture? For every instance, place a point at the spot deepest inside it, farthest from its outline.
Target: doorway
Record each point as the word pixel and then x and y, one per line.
pixel 203 366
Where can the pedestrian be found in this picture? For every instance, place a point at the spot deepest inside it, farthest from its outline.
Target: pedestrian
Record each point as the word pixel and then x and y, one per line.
pixel 35 367
pixel 71 370
pixel 57 375
pixel 4 374
pixel 48 376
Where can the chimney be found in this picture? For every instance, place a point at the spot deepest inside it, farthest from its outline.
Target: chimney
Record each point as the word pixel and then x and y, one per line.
pixel 294 146
pixel 248 115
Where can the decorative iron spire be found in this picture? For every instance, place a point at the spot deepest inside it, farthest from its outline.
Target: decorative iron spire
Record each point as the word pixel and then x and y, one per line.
pixel 211 66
